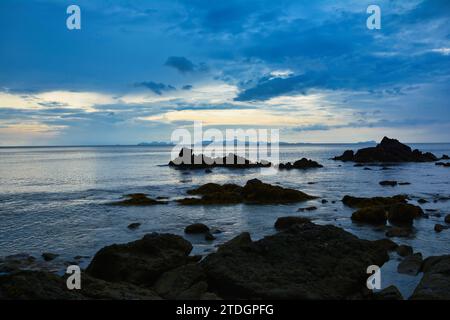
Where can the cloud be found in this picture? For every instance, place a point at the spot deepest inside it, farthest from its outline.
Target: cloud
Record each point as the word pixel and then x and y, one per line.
pixel 181 64
pixel 157 88
pixel 187 87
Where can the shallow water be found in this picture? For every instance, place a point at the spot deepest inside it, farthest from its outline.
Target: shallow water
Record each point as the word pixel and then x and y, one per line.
pixel 55 199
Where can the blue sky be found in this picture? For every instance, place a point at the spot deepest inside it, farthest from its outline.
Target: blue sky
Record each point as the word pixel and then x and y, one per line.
pixel 137 70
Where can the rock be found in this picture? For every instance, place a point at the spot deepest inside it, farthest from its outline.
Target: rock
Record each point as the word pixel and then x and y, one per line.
pixel 196 228
pixel 134 226
pixel 312 208
pixel 180 283
pixel 388 150
pixel 47 256
pixel 188 160
pixel 372 215
pixel 435 283
pixel 411 264
pixel 404 213
pixel 209 236
pixel 138 199
pixel 389 293
pixel 399 232
pixel 208 171
pixel 324 201
pixel 388 183
pixel 254 192
pixel 140 262
pixel 443 164
pixel 447 218
pixel 355 202
pixel 404 183
pixel 440 227
pixel 386 244
pixel 21 261
pixel 300 263
pixel 404 250
pixel 300 164
pixel 367 169
pixel 422 201
pixel 445 157
pixel 287 222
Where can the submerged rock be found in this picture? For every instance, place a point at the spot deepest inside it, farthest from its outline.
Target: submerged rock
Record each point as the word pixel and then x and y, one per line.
pixel 388 183
pixel 254 192
pixel 134 226
pixel 196 228
pixel 300 164
pixel 435 283
pixel 48 256
pixel 287 222
pixel 399 232
pixel 299 263
pixel 138 199
pixel 443 164
pixel 439 227
pixel 411 264
pixel 140 262
pixel 312 208
pixel 388 150
pixel 188 160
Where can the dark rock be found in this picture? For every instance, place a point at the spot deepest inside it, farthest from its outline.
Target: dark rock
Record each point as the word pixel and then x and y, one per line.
pixel 404 213
pixel 435 283
pixel 445 157
pixel 404 250
pixel 411 264
pixel 388 183
pixel 404 183
pixel 287 222
pixel 447 218
pixel 367 169
pixel 299 263
pixel 356 202
pixel 134 225
pixel 372 215
pixel 440 227
pixel 140 262
pixel 47 256
pixel 188 160
pixel 196 228
pixel 324 201
pixel 138 199
pixel 422 201
pixel 399 232
pixel 300 164
pixel 208 171
pixel 443 164
pixel 209 236
pixel 388 150
pixel 312 208
pixel 389 293
pixel 386 244
pixel 254 192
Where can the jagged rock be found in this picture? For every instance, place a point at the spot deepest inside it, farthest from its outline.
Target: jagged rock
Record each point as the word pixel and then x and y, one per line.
pixel 140 262
pixel 435 283
pixel 48 256
pixel 196 228
pixel 300 164
pixel 287 222
pixel 389 293
pixel 254 192
pixel 188 160
pixel 356 202
pixel 404 250
pixel 388 183
pixel 411 264
pixel 299 263
pixel 134 225
pixel 138 199
pixel 388 150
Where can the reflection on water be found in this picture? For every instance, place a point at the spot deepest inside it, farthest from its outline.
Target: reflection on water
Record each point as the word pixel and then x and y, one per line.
pixel 53 199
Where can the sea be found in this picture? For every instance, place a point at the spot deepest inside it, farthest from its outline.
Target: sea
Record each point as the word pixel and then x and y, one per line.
pixel 56 199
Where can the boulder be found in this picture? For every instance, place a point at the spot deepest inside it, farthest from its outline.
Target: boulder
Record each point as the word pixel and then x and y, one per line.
pixel 196 228
pixel 388 150
pixel 439 227
pixel 48 256
pixel 304 262
pixel 140 262
pixel 134 225
pixel 254 192
pixel 411 264
pixel 404 250
pixel 386 244
pixel 404 213
pixel 287 222
pixel 138 199
pixel 371 215
pixel 357 202
pixel 300 164
pixel 435 283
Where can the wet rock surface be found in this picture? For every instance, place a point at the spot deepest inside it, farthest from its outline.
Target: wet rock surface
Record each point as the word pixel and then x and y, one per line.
pixel 284 223
pixel 435 283
pixel 196 228
pixel 399 213
pixel 411 264
pixel 388 150
pixel 254 192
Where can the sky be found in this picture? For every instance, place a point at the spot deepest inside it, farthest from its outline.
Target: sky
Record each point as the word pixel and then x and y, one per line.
pixel 138 70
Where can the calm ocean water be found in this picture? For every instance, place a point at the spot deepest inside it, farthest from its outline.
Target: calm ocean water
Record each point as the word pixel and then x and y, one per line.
pixel 54 199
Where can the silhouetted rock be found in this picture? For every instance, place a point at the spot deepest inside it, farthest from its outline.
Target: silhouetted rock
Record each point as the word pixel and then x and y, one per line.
pixel 389 293
pixel 422 201
pixel 299 263
pixel 404 250
pixel 196 228
pixel 411 264
pixel 403 213
pixel 209 236
pixel 443 164
pixel 254 192
pixel 388 150
pixel 445 157
pixel 447 218
pixel 372 215
pixel 386 244
pixel 388 183
pixel 439 227
pixel 48 256
pixel 188 160
pixel 355 202
pixel 134 226
pixel 312 208
pixel 283 223
pixel 140 262
pixel 138 199
pixel 300 164
pixel 435 283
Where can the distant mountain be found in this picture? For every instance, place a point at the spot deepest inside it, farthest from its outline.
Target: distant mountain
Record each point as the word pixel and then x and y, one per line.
pixel 155 144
